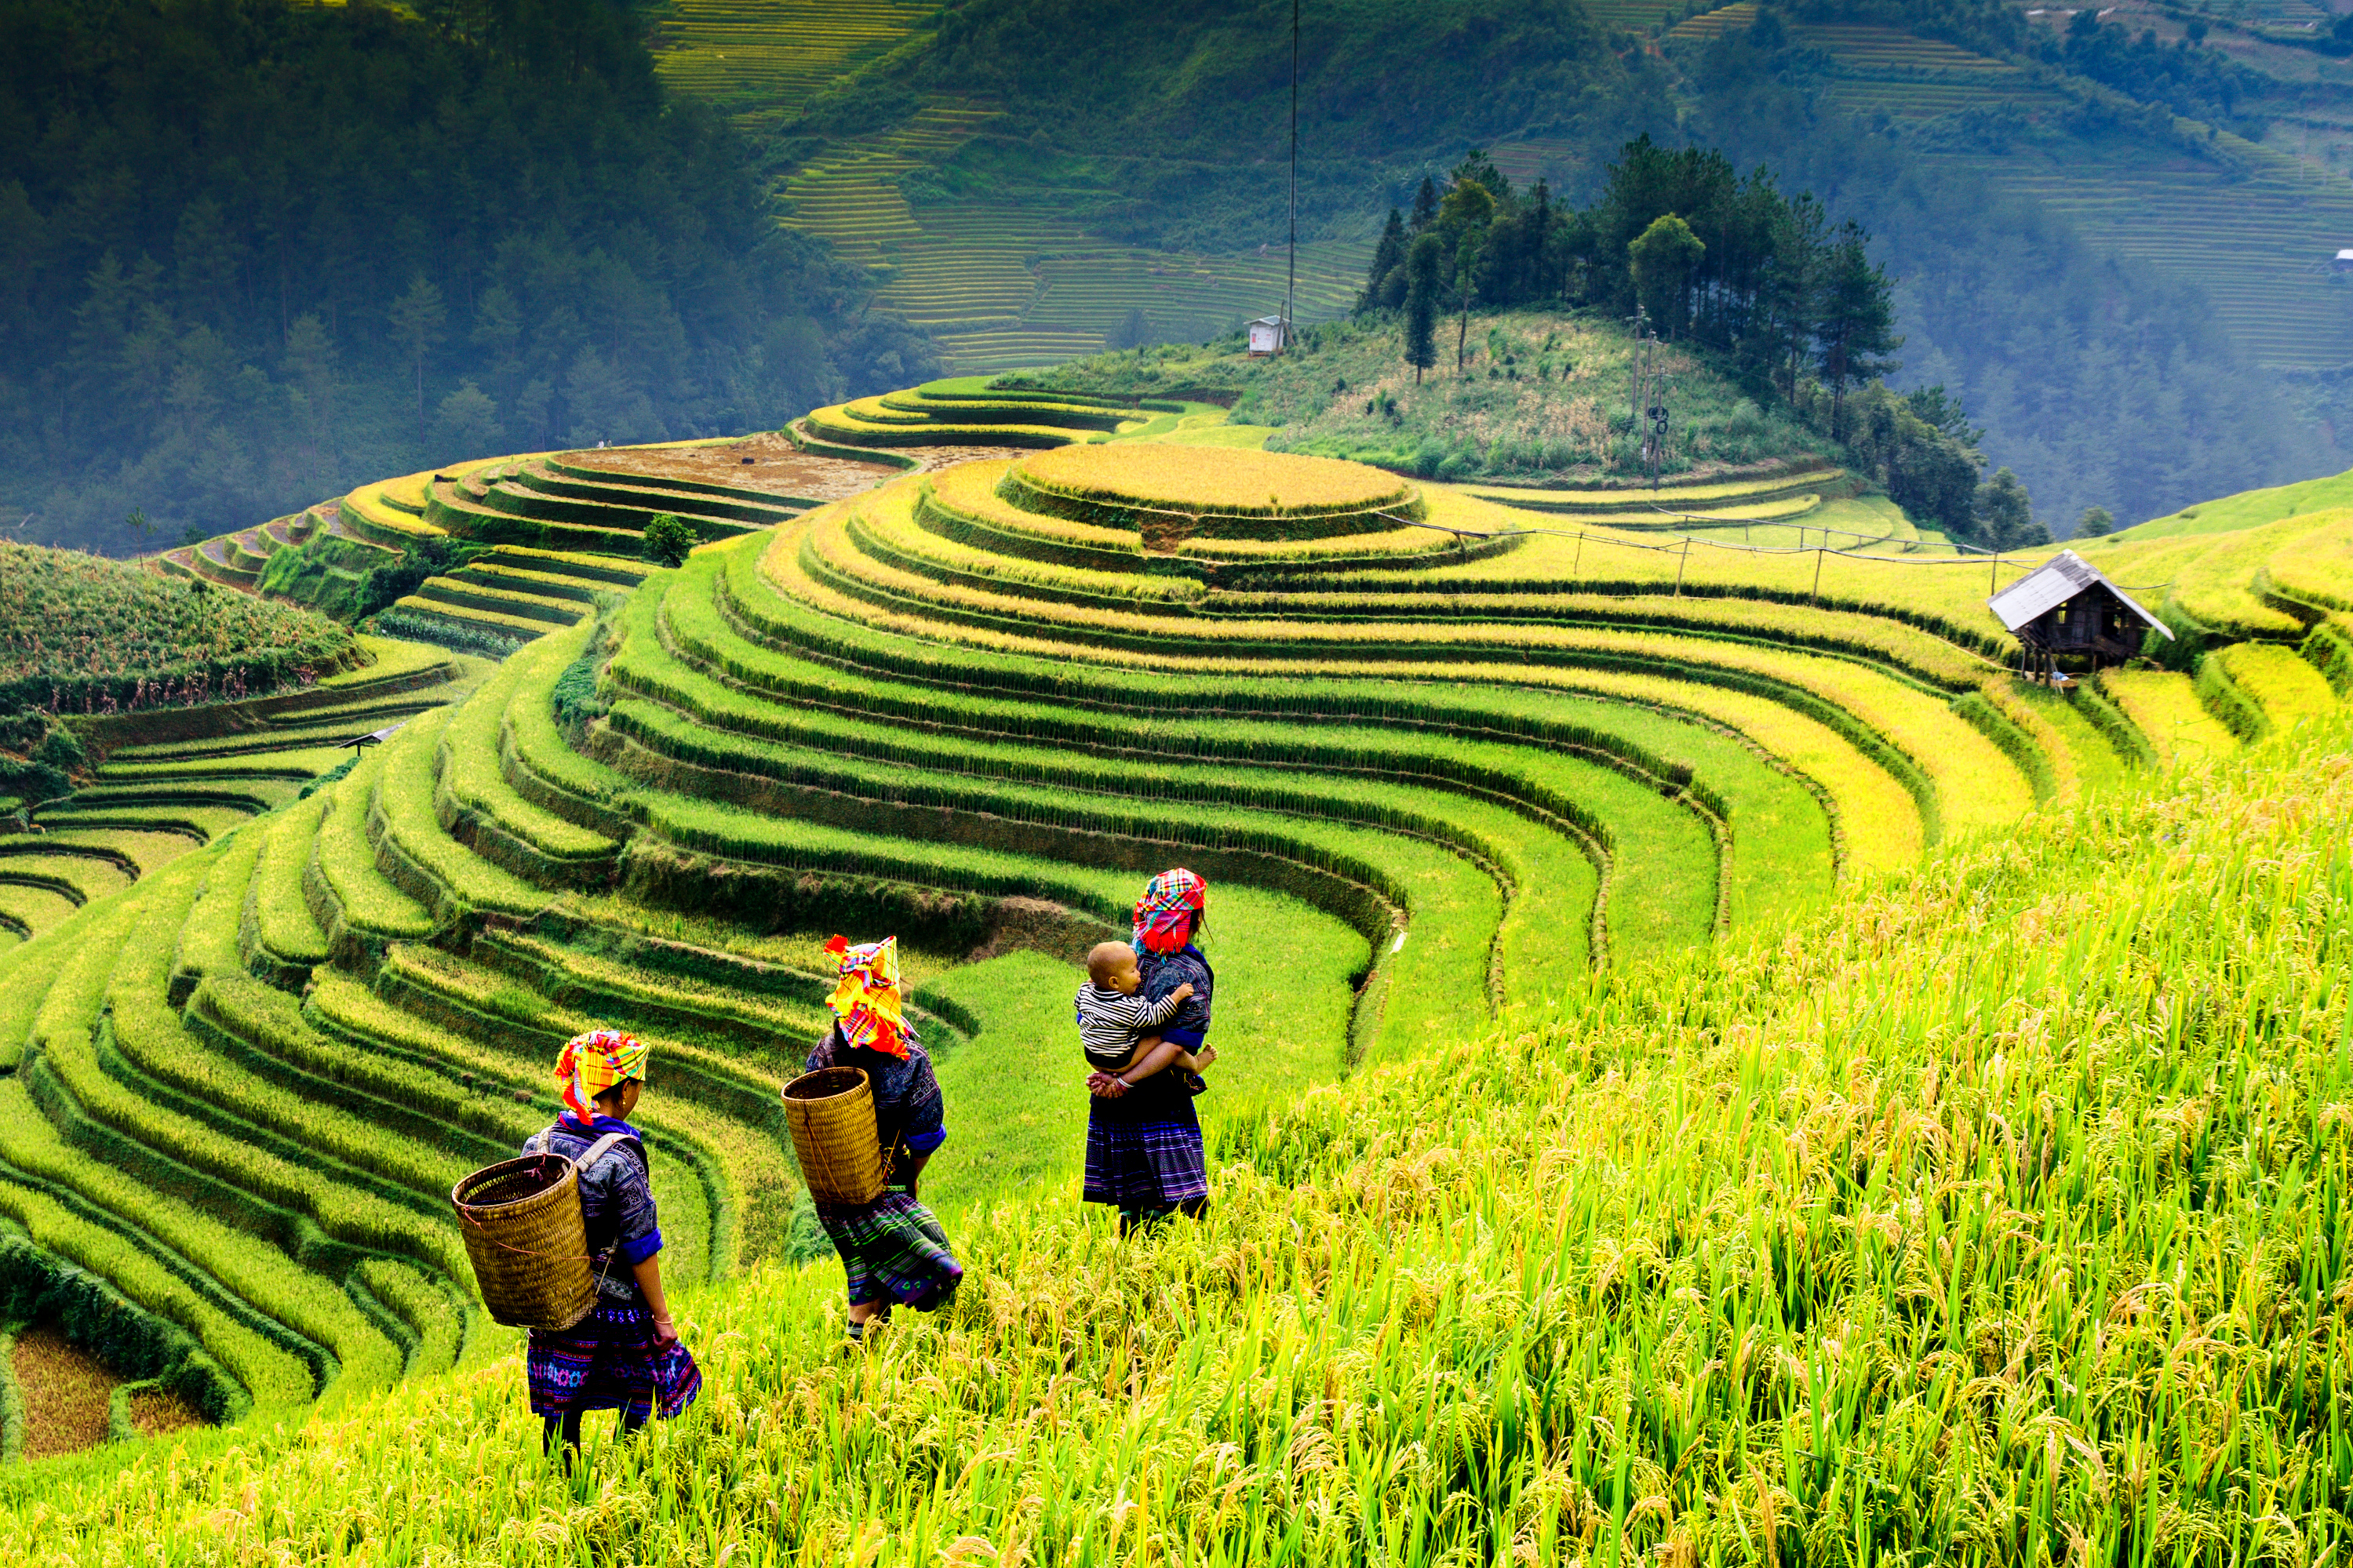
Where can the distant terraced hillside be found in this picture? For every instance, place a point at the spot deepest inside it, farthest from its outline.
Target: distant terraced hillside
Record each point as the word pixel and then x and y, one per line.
pixel 2253 224
pixel 1001 280
pixel 1009 283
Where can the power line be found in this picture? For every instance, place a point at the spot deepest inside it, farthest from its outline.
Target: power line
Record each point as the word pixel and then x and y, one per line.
pixel 1291 287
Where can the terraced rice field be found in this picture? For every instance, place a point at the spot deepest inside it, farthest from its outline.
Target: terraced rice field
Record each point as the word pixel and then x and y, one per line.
pixel 1446 777
pixel 1005 287
pixel 774 50
pixel 1002 284
pixel 166 783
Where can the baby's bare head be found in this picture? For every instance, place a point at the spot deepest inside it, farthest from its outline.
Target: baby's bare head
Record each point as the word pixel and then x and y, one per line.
pixel 1110 963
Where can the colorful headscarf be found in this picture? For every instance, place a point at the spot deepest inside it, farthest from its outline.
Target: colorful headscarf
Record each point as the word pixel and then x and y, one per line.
pixel 594 1062
pixel 867 1001
pixel 1166 915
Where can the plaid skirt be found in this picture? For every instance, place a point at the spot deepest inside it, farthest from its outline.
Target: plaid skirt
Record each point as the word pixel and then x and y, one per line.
pixel 607 1361
pixel 893 1250
pixel 1145 1155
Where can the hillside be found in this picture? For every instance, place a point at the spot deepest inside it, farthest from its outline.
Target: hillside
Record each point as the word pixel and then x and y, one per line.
pixel 1034 192
pixel 1794 1229
pixel 1548 826
pixel 1026 177
pixel 1541 394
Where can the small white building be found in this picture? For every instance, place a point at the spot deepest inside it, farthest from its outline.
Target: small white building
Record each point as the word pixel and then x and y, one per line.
pixel 1268 335
pixel 2344 262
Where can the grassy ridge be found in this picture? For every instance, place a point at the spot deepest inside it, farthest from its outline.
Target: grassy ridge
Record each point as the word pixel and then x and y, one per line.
pixel 1941 1231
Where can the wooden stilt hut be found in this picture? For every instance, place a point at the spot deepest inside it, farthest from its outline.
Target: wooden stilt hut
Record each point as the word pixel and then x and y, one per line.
pixel 2067 608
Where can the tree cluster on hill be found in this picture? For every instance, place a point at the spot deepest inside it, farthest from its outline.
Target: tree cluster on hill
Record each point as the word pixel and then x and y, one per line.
pixel 251 254
pixel 2106 390
pixel 1679 243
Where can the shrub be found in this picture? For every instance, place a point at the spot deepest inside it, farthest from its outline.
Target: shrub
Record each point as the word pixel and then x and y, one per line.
pixel 575 695
pixel 387 586
pixel 38 757
pixel 667 539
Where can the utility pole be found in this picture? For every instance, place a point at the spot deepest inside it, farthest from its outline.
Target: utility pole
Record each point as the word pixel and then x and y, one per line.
pixel 1291 287
pixel 1646 396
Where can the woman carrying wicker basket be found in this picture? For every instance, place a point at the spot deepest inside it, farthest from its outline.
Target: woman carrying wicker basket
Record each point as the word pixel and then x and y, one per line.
pixel 1144 1152
pixel 892 1247
pixel 625 1355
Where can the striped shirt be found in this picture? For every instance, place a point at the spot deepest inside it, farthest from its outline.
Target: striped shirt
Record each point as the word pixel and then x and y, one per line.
pixel 1110 1021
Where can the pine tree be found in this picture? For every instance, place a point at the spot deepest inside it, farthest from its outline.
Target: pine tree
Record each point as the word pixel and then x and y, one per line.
pixel 1793 286
pixel 2005 518
pixel 1425 205
pixel 1422 264
pixel 417 320
pixel 1858 321
pixel 1388 257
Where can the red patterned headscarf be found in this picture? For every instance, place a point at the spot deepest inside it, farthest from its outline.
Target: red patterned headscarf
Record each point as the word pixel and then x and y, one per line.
pixel 594 1062
pixel 867 1002
pixel 1170 907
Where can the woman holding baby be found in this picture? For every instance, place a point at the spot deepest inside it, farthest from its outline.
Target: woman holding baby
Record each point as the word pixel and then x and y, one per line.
pixel 1145 1153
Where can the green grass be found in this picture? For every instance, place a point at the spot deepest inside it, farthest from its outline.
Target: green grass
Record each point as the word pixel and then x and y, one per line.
pixel 472 786
pixel 29 911
pixel 1955 771
pixel 2282 685
pixel 2164 707
pixel 249 1268
pixel 1781 841
pixel 274 1379
pixel 1541 392
pixel 79 877
pixel 210 940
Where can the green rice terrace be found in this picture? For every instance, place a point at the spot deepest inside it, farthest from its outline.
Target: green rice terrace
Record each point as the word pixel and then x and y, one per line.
pixel 1719 1066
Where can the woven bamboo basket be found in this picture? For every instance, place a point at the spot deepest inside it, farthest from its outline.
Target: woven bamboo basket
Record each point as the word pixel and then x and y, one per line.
pixel 527 1241
pixel 832 1113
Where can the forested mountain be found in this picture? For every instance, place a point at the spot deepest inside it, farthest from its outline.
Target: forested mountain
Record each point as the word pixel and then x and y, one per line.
pixel 251 254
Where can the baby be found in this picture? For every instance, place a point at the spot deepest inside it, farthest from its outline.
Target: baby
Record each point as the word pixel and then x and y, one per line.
pixel 1115 1022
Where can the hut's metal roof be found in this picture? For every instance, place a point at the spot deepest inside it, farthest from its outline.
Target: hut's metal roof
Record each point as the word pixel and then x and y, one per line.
pixel 2054 583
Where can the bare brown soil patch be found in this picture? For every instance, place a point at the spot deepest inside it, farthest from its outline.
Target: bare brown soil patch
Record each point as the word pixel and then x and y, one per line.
pixel 933 458
pixel 776 466
pixel 65 1390
pixel 156 1411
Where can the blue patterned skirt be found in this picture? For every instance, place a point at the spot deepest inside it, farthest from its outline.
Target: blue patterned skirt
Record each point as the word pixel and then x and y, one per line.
pixel 893 1250
pixel 1145 1153
pixel 607 1361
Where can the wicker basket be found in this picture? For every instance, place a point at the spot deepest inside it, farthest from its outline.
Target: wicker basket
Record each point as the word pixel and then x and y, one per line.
pixel 528 1246
pixel 832 1113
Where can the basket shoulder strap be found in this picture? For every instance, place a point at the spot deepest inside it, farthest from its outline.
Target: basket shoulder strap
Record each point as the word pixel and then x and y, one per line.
pixel 607 1144
pixel 537 1142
